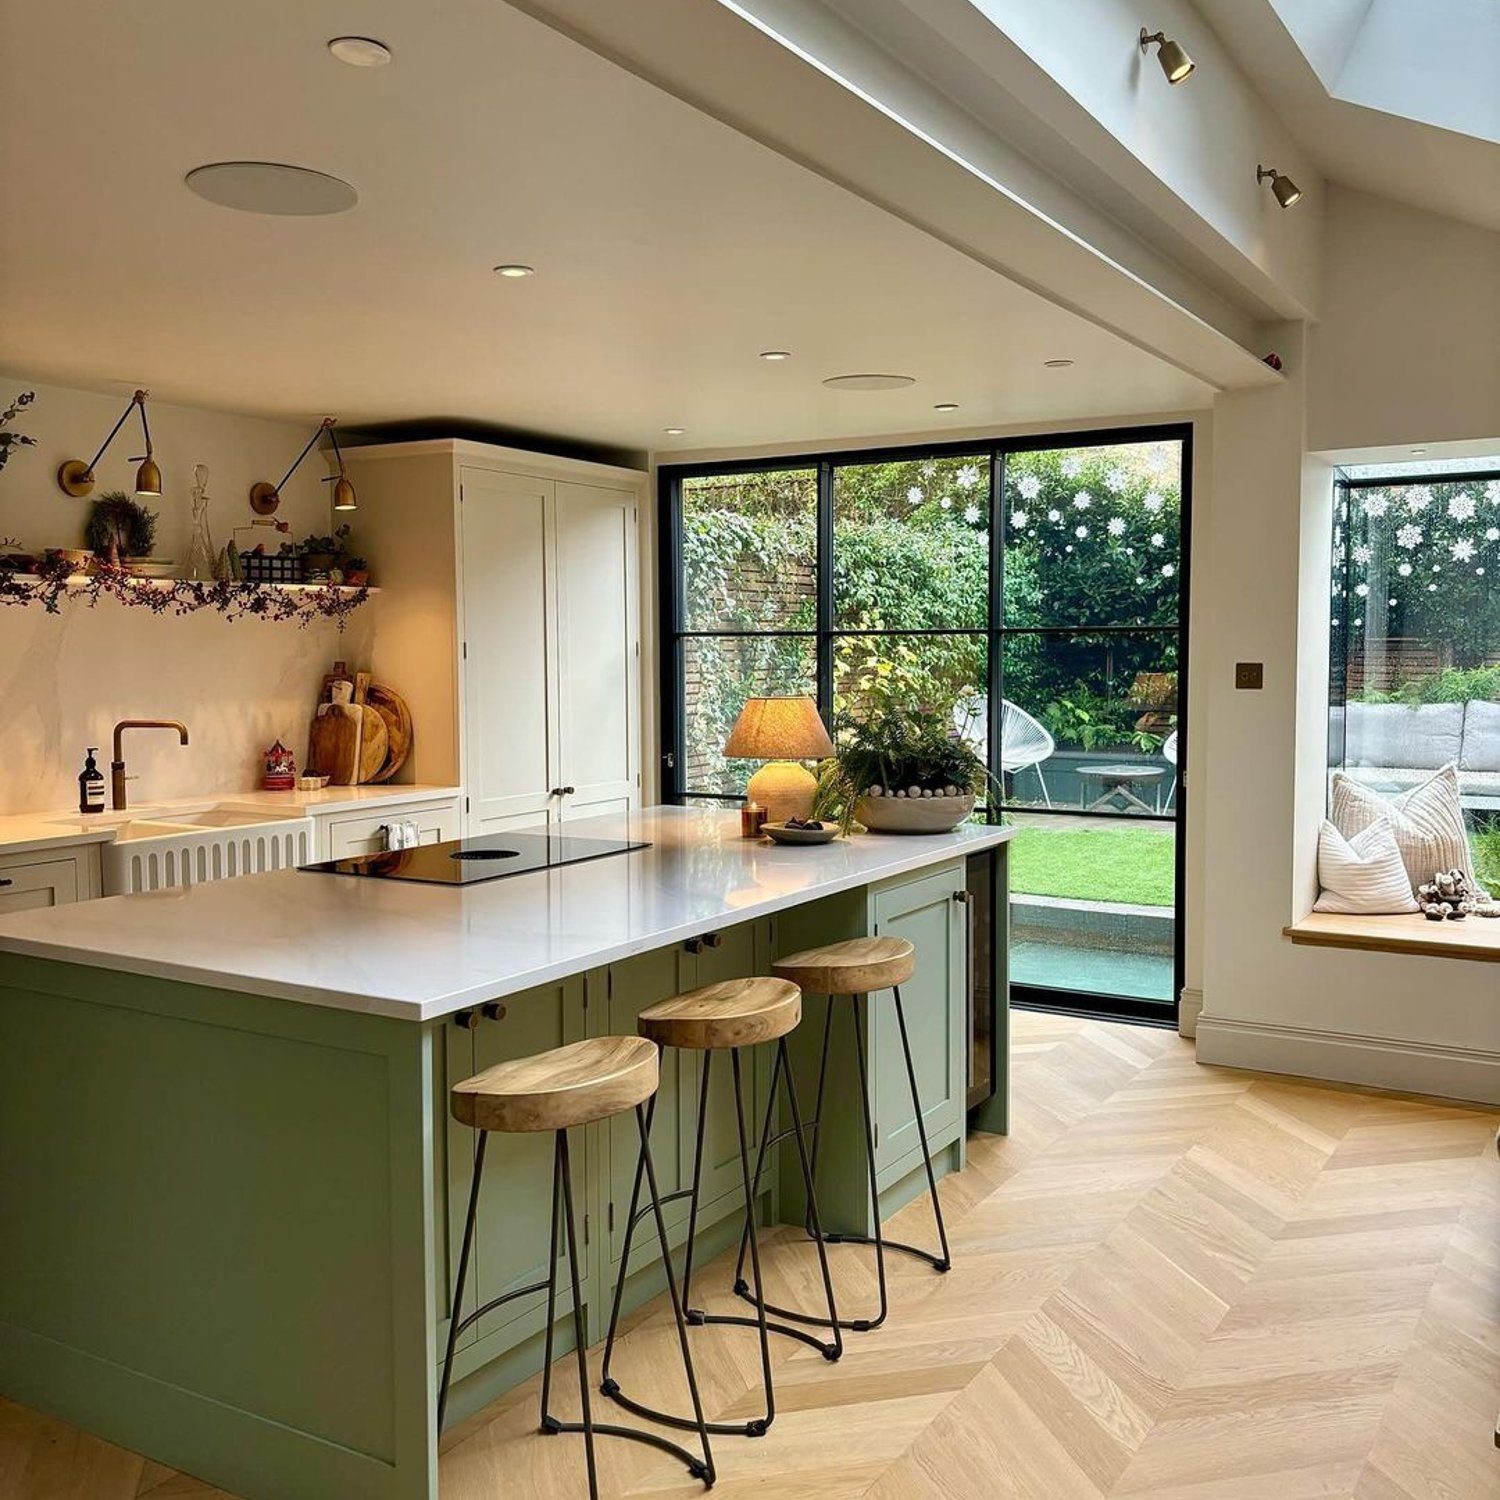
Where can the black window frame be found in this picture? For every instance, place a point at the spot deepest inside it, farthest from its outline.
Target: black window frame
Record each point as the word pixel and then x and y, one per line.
pixel 671 635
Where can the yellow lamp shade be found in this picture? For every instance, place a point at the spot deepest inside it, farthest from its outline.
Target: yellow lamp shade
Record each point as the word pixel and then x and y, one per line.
pixel 779 729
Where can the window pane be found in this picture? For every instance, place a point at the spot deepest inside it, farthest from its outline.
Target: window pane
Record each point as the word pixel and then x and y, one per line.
pixel 942 675
pixel 1093 905
pixel 911 543
pixel 1089 722
pixel 749 551
pixel 719 674
pixel 1417 613
pixel 1092 535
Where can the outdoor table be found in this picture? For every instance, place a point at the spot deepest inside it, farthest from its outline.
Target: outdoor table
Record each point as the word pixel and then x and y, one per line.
pixel 1120 782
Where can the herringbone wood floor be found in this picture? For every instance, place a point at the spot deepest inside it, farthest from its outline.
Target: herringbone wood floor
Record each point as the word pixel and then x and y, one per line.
pixel 1171 1282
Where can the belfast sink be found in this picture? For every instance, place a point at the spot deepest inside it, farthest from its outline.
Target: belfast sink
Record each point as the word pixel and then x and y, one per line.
pixel 149 854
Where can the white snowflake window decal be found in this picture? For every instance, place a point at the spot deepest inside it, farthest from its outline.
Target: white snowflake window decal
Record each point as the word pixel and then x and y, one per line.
pixel 1409 536
pixel 1030 486
pixel 1462 507
pixel 1116 526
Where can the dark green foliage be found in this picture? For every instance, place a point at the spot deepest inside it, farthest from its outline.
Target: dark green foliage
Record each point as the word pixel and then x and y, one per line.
pixel 116 521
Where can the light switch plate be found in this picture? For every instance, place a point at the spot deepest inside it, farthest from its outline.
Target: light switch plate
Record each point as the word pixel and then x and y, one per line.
pixel 1250 674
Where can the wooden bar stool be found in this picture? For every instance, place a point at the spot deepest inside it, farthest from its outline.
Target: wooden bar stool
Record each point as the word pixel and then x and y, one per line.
pixel 858 968
pixel 572 1085
pixel 727 1017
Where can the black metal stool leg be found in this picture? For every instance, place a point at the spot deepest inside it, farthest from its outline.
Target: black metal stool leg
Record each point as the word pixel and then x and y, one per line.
pixel 753 1429
pixel 837 1348
pixel 554 1234
pixel 864 1108
pixel 454 1323
pixel 705 1471
pixel 693 1315
pixel 580 1338
pixel 630 1223
pixel 817 1119
pixel 943 1262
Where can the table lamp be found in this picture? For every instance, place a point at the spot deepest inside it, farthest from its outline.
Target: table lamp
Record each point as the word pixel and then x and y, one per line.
pixel 782 731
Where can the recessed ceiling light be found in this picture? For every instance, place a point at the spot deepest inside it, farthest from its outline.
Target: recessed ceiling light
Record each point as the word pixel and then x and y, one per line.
pixel 775 354
pixel 946 406
pixel 1057 364
pixel 515 272
pixel 869 382
pixel 269 187
pixel 360 51
pixel 674 431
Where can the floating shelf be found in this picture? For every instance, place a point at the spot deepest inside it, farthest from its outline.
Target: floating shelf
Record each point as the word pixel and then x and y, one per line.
pixel 232 598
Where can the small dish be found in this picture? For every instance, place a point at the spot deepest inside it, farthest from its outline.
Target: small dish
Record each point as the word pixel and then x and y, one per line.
pixel 311 782
pixel 150 567
pixel 779 833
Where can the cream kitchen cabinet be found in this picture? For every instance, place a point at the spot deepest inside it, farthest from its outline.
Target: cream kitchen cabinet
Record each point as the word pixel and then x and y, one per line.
pixel 510 619
pixel 48 877
pixel 347 835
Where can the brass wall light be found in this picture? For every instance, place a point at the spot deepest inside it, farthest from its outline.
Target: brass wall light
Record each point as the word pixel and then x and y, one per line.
pixel 1175 63
pixel 1283 188
pixel 264 498
pixel 76 478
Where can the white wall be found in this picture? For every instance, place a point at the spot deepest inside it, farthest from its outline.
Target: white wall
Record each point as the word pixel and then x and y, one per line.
pixel 1430 1025
pixel 1407 349
pixel 66 678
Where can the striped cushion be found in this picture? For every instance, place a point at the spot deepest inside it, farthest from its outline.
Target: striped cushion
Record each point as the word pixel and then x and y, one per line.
pixel 1364 875
pixel 1427 821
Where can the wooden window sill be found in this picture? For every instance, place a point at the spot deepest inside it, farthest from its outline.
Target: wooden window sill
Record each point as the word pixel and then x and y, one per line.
pixel 1472 938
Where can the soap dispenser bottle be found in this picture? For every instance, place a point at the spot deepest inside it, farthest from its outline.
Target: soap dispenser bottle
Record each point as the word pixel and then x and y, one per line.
pixel 91 785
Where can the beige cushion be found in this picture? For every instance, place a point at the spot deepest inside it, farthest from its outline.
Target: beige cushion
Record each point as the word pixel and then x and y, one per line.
pixel 1427 821
pixel 1363 876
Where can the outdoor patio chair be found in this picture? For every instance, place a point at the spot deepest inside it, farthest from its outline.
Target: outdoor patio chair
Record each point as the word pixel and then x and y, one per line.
pixel 1169 754
pixel 1023 741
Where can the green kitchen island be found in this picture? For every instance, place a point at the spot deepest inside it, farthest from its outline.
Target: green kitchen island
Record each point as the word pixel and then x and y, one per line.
pixel 231 1192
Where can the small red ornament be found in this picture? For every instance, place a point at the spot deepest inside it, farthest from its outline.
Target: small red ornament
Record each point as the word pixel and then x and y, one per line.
pixel 1273 359
pixel 281 769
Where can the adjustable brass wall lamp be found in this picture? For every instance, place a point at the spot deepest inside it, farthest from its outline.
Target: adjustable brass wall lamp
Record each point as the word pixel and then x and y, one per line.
pixel 76 478
pixel 264 498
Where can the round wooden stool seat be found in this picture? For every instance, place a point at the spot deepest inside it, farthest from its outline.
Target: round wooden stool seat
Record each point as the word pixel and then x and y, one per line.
pixel 736 1013
pixel 572 1085
pixel 855 967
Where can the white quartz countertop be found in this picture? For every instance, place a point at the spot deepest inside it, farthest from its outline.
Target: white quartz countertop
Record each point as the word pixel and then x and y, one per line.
pixel 398 948
pixel 23 832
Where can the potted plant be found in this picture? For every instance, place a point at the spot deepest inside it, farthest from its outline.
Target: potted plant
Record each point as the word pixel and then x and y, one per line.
pixel 356 572
pixel 119 528
pixel 900 772
pixel 322 554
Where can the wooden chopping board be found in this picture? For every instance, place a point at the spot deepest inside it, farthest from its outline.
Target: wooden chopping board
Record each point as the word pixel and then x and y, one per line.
pixel 392 708
pixel 333 748
pixel 373 743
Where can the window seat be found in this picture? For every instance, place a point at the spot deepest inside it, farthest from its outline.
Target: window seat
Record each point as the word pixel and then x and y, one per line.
pixel 1474 938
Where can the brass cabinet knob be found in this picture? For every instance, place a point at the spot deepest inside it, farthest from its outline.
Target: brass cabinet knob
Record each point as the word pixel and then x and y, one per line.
pixel 492 1010
pixel 715 939
pixel 466 1020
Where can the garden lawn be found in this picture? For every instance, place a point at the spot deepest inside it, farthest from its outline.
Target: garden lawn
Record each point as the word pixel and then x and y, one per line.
pixel 1131 865
pixel 1486 847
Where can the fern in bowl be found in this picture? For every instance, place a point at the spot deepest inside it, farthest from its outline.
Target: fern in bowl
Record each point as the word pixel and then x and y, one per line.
pixel 900 772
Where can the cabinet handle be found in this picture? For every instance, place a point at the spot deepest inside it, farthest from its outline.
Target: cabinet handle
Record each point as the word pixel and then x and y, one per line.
pixel 4 882
pixel 562 791
pixel 492 1010
pixel 714 939
pixel 962 897
pixel 466 1020
pixel 694 945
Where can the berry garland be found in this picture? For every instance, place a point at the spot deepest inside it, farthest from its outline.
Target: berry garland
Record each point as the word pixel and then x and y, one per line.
pixel 55 580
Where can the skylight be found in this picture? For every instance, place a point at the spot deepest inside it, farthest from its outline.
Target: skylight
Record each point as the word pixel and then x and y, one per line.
pixel 1433 61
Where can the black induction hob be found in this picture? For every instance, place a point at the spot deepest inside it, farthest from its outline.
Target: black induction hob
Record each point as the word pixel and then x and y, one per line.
pixel 469 861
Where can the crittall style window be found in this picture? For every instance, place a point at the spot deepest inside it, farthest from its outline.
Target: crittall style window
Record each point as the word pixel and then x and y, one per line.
pixel 1415 658
pixel 1030 593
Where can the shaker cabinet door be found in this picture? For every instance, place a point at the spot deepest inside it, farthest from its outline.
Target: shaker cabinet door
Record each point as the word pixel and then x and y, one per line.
pixel 598 643
pixel 509 650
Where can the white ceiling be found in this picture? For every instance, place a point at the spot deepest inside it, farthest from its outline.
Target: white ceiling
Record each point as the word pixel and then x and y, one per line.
pixel 670 249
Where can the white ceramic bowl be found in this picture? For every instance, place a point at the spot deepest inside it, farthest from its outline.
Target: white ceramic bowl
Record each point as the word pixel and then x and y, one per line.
pixel 913 814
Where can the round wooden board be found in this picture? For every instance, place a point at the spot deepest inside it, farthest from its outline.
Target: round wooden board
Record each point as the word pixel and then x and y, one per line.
pixel 391 707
